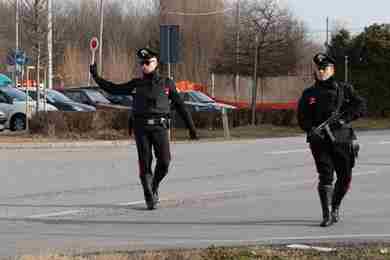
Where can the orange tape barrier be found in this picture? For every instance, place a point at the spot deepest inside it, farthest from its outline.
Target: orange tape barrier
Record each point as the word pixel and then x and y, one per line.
pixel 186 85
pixel 262 106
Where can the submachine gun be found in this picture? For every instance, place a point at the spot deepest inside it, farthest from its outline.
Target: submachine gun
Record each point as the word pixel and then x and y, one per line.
pixel 324 128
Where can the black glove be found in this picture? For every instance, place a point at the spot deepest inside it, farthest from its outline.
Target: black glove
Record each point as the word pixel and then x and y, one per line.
pixel 337 124
pixel 193 135
pixel 93 70
pixel 314 136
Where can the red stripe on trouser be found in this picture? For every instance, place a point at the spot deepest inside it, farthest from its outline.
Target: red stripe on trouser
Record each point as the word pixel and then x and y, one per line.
pixel 141 168
pixel 348 182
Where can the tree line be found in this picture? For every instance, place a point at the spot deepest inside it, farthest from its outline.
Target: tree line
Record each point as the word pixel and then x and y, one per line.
pixel 364 60
pixel 209 36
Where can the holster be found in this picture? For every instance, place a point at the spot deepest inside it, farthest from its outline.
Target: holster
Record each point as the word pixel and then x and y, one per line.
pixel 355 149
pixel 166 123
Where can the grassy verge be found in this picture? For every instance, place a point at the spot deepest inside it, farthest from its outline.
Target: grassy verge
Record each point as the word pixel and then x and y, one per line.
pixel 362 252
pixel 243 132
pixel 372 123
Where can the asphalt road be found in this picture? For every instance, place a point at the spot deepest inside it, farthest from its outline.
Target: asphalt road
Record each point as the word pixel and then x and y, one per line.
pixel 77 200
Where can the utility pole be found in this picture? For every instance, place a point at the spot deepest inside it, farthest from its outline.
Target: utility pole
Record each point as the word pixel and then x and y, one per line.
pixel 101 38
pixel 254 89
pixel 50 44
pixel 327 33
pixel 237 78
pixel 346 69
pixel 17 40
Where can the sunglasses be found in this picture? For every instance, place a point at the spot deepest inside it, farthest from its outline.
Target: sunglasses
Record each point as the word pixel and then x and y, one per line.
pixel 145 62
pixel 324 66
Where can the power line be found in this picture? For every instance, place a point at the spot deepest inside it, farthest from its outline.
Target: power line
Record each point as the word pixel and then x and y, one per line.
pixel 200 14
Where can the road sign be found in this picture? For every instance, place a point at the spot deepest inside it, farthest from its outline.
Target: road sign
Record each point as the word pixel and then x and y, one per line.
pixel 94 44
pixel 169 43
pixel 20 58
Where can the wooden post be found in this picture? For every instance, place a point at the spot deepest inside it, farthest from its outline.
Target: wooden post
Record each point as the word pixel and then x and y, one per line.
pixel 225 123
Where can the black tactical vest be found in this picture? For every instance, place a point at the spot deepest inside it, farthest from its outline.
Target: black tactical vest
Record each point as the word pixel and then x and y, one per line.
pixel 152 97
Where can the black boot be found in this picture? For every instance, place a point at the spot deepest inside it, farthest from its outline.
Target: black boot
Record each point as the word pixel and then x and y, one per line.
pixel 160 172
pixel 155 194
pixel 335 214
pixel 325 193
pixel 146 181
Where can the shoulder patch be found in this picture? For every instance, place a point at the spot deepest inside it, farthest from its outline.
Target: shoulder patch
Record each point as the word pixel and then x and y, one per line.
pixel 166 90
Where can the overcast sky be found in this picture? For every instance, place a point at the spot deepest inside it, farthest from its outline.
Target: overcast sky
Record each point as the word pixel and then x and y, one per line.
pixel 353 14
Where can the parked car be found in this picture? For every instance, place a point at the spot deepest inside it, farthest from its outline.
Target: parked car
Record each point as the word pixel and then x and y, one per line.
pixel 202 102
pixel 92 96
pixel 123 100
pixel 3 120
pixel 13 104
pixel 62 102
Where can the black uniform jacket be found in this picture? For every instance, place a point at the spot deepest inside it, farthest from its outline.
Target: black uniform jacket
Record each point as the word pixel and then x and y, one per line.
pixel 319 101
pixel 151 98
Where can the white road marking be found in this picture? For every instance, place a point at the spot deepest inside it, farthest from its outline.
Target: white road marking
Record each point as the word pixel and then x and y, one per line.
pixel 72 212
pixel 364 173
pixel 308 150
pixel 306 247
pixel 288 151
pixel 131 203
pixel 55 214
pixel 343 236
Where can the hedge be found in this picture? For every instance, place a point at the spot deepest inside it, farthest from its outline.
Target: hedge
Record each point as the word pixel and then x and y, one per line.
pixel 112 124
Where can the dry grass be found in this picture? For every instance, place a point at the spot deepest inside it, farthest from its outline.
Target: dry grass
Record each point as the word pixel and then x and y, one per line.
pixel 364 252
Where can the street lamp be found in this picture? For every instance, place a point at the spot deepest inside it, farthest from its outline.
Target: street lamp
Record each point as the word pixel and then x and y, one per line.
pixel 101 38
pixel 17 40
pixel 50 43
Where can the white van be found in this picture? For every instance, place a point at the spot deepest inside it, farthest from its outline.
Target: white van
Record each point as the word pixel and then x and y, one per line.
pixel 13 104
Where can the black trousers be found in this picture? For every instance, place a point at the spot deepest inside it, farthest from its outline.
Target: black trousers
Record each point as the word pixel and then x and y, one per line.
pixel 148 138
pixel 330 158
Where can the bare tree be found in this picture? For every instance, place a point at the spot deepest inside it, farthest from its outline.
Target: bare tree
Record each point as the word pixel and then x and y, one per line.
pixel 207 29
pixel 201 28
pixel 278 35
pixel 7 14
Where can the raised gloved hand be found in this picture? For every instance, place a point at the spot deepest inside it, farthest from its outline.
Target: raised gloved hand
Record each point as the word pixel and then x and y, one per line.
pixel 193 135
pixel 93 70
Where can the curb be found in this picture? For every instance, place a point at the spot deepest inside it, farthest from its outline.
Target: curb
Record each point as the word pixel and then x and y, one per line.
pixel 64 145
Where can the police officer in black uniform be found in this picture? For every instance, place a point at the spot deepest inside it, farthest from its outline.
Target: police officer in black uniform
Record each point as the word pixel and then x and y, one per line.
pixel 150 119
pixel 336 153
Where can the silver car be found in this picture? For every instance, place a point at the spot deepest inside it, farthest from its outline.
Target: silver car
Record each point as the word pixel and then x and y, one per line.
pixel 3 120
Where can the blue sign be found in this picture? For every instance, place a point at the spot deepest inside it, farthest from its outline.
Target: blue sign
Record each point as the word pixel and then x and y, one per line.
pixel 169 43
pixel 17 57
pixel 20 57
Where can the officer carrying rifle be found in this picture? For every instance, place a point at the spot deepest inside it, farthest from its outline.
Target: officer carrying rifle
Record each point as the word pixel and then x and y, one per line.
pixel 324 113
pixel 150 121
